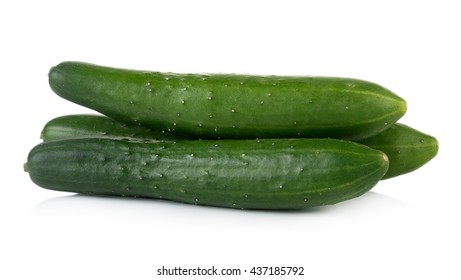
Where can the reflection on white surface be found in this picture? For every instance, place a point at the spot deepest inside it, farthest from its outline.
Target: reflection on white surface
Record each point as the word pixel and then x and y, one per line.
pixel 140 207
pixel 358 237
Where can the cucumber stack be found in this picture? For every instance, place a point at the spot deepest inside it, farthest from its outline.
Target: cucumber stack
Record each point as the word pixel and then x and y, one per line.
pixel 239 141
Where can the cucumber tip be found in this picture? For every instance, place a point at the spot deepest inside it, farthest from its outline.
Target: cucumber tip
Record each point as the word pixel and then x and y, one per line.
pixel 385 157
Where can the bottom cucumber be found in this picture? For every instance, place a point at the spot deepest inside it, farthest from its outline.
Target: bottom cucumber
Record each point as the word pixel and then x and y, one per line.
pixel 249 174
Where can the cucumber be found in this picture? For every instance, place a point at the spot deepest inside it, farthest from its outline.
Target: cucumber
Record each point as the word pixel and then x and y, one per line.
pixel 77 126
pixel 219 106
pixel 407 148
pixel 248 174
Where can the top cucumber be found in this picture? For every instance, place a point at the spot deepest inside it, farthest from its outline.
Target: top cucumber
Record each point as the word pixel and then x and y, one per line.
pixel 229 105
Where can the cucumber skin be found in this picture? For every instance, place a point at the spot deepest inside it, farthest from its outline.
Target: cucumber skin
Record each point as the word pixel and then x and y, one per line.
pixel 407 148
pixel 96 126
pixel 247 174
pixel 220 106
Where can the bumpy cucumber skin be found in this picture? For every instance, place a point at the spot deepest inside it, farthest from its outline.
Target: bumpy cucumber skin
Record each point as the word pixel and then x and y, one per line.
pixel 79 126
pixel 219 106
pixel 249 174
pixel 407 148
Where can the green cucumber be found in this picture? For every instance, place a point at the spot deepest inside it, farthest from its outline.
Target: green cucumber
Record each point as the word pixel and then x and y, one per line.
pixel 78 126
pixel 219 106
pixel 249 174
pixel 407 148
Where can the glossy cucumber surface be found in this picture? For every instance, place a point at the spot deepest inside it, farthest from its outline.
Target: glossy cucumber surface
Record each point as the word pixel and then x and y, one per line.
pixel 407 148
pixel 219 106
pixel 98 126
pixel 250 174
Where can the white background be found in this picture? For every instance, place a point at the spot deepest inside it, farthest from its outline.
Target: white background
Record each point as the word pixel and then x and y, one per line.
pixel 405 228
